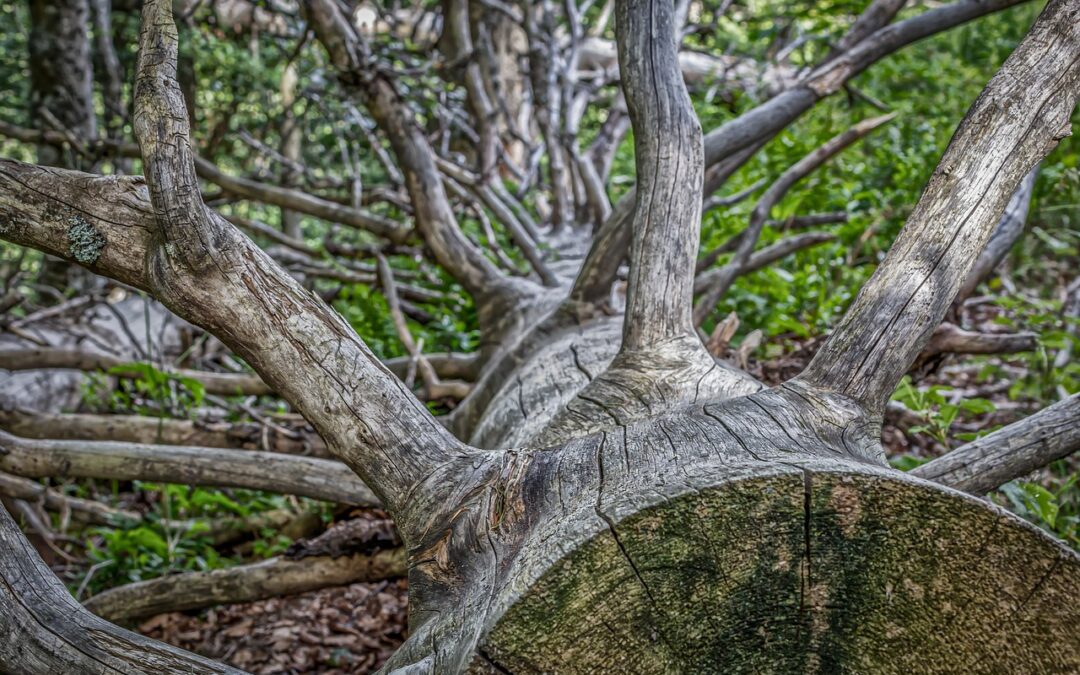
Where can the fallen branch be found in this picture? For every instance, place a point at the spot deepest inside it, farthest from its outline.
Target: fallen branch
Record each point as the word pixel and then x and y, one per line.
pixel 951 339
pixel 288 474
pixel 165 431
pixel 245 583
pixel 1010 452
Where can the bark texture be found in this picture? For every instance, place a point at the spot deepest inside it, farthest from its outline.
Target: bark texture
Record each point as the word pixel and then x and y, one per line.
pixel 46 631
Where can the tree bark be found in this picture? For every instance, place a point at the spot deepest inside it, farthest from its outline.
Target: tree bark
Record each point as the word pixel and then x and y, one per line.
pixel 46 631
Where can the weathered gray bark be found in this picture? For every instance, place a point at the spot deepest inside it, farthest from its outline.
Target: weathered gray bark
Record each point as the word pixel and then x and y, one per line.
pixel 245 583
pixel 291 474
pixel 46 631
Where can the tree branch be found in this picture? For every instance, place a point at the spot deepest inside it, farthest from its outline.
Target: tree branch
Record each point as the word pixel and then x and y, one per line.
pixel 46 631
pixel 732 144
pixel 1011 452
pixel 435 218
pixel 221 467
pixel 713 284
pixel 666 223
pixel 896 311
pixel 244 583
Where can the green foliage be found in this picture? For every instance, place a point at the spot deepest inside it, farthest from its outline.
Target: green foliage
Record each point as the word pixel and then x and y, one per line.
pixel 153 392
pixel 1055 509
pixel 939 410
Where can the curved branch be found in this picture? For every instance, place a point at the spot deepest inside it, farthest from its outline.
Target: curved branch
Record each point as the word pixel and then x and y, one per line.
pixel 1011 452
pixel 221 467
pixel 244 583
pixel 666 224
pixel 275 195
pixel 46 631
pixel 1016 121
pixel 769 118
pixel 435 218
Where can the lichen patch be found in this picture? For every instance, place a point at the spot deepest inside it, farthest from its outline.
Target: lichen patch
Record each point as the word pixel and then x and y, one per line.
pixel 85 242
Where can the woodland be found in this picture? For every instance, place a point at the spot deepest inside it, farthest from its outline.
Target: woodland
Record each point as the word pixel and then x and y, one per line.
pixel 497 336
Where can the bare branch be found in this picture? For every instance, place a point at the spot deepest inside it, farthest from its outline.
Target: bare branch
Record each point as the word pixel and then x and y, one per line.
pixel 289 474
pixel 666 224
pixel 244 583
pixel 83 510
pixel 46 631
pixel 145 429
pixel 1011 452
pixel 769 118
pixel 434 387
pixel 896 312
pixel 715 283
pixel 951 339
pixel 287 198
pixel 435 218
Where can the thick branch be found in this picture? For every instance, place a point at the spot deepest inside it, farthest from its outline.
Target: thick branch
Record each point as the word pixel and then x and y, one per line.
pixel 220 467
pixel 275 195
pixel 46 631
pixel 1015 122
pixel 732 144
pixel 245 583
pixel 107 224
pixel 1011 452
pixel 666 224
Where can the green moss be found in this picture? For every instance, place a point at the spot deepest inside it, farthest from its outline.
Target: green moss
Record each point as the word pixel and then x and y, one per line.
pixel 86 243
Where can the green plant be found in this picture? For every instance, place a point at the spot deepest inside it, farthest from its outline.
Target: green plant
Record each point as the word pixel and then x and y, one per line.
pixel 938 411
pixel 1053 510
pixel 153 392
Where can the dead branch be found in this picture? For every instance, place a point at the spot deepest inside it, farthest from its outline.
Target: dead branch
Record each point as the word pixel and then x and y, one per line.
pixel 219 467
pixel 1011 452
pixel 897 311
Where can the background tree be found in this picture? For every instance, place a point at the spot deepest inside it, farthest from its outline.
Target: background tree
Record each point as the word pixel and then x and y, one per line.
pixel 604 492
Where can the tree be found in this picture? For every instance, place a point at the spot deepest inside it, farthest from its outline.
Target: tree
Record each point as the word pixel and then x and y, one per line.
pixel 607 496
